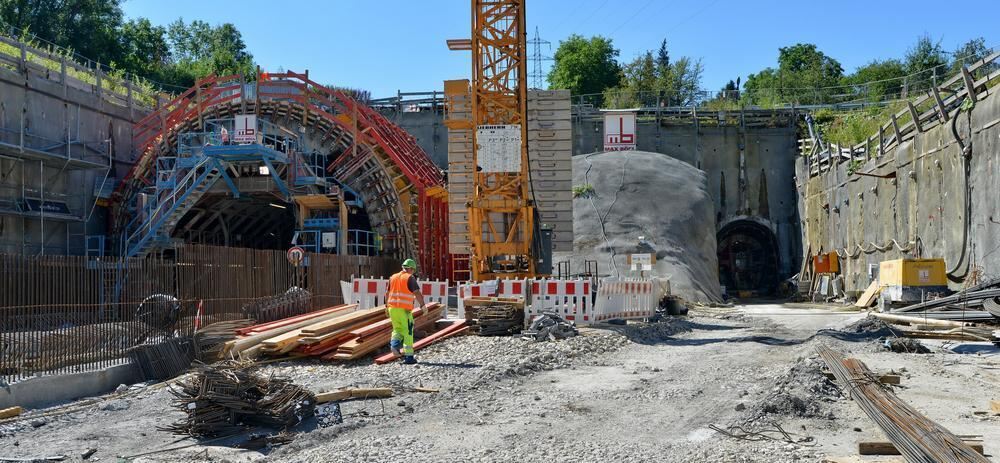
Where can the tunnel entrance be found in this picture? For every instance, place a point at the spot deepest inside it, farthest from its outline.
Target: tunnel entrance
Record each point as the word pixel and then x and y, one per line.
pixel 748 258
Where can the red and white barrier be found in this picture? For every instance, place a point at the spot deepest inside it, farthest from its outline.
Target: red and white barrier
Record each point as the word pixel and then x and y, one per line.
pixel 627 299
pixel 568 298
pixel 371 292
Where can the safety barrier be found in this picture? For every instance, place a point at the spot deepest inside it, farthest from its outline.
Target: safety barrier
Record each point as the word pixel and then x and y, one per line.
pixel 627 299
pixel 568 298
pixel 370 292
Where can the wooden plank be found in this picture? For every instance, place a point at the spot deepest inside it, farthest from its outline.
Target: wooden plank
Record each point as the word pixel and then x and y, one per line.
pixel 236 347
pixel 970 86
pixel 291 320
pixel 868 297
pixel 886 448
pixel 11 412
pixel 915 116
pixel 345 394
pixel 342 321
pixel 995 406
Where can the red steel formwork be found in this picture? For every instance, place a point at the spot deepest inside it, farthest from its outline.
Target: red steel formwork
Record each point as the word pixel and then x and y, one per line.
pixel 371 131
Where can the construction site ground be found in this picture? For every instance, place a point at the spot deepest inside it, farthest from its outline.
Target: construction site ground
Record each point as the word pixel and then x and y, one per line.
pixel 641 392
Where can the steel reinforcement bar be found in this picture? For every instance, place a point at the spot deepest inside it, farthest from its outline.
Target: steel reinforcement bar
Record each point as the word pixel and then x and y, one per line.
pixel 916 437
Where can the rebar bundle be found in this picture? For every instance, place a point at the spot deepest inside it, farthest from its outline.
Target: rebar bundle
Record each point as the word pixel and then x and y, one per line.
pixel 295 301
pixel 917 438
pixel 225 398
pixel 162 360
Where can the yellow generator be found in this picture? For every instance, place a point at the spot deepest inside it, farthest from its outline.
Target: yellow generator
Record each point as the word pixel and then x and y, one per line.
pixel 912 280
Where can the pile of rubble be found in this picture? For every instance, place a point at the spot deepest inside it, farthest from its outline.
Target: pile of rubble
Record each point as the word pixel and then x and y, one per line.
pixel 550 327
pixel 800 393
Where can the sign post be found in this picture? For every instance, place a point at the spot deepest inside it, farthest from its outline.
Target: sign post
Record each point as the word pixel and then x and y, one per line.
pixel 619 131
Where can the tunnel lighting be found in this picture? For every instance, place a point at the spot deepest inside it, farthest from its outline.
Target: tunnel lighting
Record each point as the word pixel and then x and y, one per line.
pixel 279 206
pixel 262 170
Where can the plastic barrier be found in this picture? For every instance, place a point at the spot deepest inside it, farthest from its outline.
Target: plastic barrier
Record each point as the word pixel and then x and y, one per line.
pixel 627 299
pixel 370 292
pixel 568 298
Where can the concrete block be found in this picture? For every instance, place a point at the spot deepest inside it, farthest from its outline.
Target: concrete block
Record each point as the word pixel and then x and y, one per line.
pixel 550 135
pixel 48 390
pixel 555 105
pixel 541 125
pixel 540 175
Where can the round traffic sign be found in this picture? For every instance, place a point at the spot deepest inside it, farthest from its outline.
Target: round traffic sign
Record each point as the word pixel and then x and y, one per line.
pixel 295 255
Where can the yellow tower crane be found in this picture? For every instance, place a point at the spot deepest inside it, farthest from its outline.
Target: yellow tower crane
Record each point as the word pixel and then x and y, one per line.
pixel 501 213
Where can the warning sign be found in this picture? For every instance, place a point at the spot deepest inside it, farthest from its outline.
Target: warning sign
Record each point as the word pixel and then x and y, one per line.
pixel 498 148
pixel 642 262
pixel 246 129
pixel 619 131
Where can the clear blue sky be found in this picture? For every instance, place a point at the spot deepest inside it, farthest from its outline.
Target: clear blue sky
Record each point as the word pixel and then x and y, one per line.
pixel 391 45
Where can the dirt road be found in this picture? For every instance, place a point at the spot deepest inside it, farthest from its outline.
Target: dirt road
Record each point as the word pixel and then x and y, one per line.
pixel 635 393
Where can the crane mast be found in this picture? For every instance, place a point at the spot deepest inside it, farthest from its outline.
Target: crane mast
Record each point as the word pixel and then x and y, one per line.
pixel 501 213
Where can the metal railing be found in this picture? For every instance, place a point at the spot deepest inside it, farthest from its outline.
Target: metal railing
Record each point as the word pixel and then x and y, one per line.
pixel 55 317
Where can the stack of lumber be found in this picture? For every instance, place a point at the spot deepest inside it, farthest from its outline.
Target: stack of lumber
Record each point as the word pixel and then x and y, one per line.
pixel 336 333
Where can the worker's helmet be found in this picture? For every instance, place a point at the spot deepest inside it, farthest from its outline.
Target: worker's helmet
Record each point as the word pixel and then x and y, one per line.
pixel 410 263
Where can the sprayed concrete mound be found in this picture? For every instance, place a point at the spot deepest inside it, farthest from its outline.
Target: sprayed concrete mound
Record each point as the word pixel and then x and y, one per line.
pixel 641 202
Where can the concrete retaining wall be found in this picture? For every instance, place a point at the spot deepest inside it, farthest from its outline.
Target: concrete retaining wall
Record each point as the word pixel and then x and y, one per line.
pixel 49 114
pixel 48 390
pixel 924 203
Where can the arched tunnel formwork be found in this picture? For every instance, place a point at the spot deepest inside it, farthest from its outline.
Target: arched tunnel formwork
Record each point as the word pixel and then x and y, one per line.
pixel 403 194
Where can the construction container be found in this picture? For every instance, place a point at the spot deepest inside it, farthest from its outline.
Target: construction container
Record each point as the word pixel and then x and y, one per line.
pixel 912 280
pixel 826 263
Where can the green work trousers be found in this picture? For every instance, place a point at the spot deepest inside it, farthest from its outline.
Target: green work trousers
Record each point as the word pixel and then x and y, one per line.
pixel 402 328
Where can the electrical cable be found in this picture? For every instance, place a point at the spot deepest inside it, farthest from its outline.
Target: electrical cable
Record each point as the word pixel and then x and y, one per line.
pixel 603 218
pixel 966 208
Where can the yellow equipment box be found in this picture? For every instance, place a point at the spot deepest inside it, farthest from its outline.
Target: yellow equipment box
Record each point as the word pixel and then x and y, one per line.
pixel 912 272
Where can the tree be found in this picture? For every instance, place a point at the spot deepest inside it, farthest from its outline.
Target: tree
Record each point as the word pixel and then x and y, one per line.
pixel 804 75
pixel 970 52
pixel 585 66
pixel 878 80
pixel 144 48
pixel 683 81
pixel 663 57
pixel 729 92
pixel 200 50
pixel 924 63
pixel 89 27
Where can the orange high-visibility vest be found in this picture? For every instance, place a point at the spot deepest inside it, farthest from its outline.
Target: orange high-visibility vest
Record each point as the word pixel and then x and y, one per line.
pixel 399 295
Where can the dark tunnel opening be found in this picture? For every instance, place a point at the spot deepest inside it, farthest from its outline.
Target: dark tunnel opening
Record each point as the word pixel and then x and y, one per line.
pixel 748 258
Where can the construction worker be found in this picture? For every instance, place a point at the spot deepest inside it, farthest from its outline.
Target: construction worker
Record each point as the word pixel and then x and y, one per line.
pixel 403 293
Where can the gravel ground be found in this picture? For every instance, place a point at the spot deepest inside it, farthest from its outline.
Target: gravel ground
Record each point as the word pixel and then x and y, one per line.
pixel 641 392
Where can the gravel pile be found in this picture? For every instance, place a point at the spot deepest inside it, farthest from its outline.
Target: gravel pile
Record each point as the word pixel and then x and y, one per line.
pixel 799 393
pixel 905 346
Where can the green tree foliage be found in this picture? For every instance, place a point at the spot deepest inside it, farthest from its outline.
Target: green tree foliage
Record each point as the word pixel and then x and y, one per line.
pixel 585 66
pixel 88 27
pixel 925 64
pixel 96 29
pixel 144 48
pixel 200 49
pixel 650 79
pixel 804 75
pixel 878 80
pixel 970 52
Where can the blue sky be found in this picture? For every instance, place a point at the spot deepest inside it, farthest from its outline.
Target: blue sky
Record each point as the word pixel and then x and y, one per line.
pixel 391 45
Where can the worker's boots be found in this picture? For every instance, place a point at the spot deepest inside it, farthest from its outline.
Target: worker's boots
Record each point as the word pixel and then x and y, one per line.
pixel 409 360
pixel 395 345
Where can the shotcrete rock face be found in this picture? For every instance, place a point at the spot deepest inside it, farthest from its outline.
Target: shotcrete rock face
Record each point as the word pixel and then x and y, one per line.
pixel 648 203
